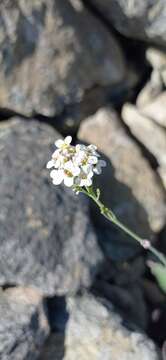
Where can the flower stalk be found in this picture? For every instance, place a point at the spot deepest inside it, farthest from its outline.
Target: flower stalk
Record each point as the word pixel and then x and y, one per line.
pixel 109 215
pixel 75 166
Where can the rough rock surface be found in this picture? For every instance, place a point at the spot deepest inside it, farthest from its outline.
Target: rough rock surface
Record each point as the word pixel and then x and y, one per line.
pixel 157 59
pixel 23 326
pixel 156 110
pixel 94 331
pixel 51 52
pixel 147 131
pixel 138 19
pixel 128 184
pixel 154 87
pixel 46 239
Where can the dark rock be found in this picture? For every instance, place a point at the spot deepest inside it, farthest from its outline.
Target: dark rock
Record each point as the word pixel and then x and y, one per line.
pixel 124 299
pixel 51 53
pixel 46 239
pixel 23 326
pixel 138 19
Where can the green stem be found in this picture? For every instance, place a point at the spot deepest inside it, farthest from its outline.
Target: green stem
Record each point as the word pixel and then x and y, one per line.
pixel 108 214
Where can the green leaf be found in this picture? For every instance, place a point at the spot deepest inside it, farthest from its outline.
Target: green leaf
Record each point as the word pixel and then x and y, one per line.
pixel 159 272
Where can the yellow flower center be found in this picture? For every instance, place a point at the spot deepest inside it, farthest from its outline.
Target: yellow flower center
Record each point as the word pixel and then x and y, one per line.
pixel 68 173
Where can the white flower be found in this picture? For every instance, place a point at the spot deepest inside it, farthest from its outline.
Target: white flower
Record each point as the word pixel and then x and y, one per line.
pixel 70 172
pixel 84 179
pixel 74 165
pixel 57 176
pixel 62 144
pixel 98 167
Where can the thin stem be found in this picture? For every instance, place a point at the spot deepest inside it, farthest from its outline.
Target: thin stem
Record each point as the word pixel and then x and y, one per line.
pixel 108 214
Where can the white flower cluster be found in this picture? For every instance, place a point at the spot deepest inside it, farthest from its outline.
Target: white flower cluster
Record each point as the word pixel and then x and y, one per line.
pixel 75 165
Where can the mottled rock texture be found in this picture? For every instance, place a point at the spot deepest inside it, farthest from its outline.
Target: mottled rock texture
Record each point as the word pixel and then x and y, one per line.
pixel 51 52
pixel 138 19
pixel 94 331
pixel 46 239
pixel 23 326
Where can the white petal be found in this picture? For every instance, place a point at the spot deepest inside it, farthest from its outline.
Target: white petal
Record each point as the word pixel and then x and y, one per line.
pixel 90 175
pixel 75 170
pixel 80 147
pixel 50 164
pixel 57 163
pixel 102 163
pixel 68 165
pixel 58 176
pixel 86 182
pixel 97 170
pixel 59 143
pixel 56 153
pixel 68 140
pixel 53 173
pixel 92 160
pixel 79 157
pixel 68 181
pixel 87 168
pixel 92 147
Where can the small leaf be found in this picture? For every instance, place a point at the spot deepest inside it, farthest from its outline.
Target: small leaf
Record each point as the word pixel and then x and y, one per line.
pixel 159 272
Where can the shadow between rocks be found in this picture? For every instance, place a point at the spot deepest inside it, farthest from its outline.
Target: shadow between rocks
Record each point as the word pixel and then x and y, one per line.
pixel 57 316
pixel 115 244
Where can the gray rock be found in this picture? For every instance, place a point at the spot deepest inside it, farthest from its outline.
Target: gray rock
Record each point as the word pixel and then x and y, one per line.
pixel 138 19
pixel 51 53
pixel 23 327
pixel 128 184
pixel 152 136
pixel 94 331
pixel 46 239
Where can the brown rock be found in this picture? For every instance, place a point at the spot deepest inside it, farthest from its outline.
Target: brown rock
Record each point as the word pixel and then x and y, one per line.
pixel 128 184
pixel 148 132
pixel 156 109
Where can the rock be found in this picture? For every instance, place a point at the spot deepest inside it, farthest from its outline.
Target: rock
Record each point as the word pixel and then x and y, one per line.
pixel 157 60
pixel 54 348
pixel 46 239
pixel 152 89
pixel 146 131
pixel 124 299
pixel 156 110
pixel 51 53
pixel 137 19
pixel 128 184
pixel 94 331
pixel 24 327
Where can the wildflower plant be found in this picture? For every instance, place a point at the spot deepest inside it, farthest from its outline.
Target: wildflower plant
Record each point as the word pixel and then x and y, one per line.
pixel 75 166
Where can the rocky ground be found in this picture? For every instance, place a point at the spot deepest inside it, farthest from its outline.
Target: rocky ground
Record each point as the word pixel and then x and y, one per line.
pixel 71 285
